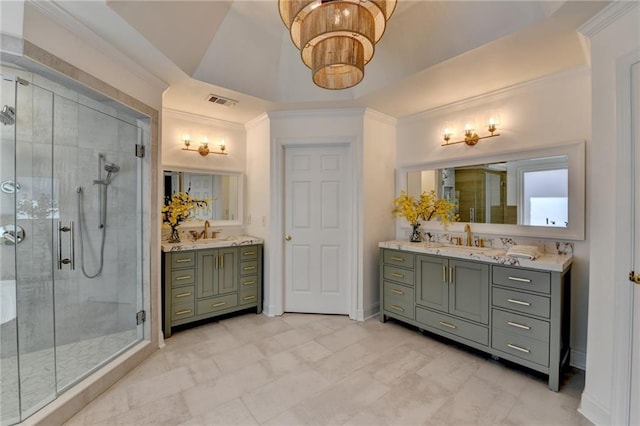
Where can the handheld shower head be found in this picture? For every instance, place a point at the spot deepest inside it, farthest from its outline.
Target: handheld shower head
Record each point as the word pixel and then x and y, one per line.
pixel 111 169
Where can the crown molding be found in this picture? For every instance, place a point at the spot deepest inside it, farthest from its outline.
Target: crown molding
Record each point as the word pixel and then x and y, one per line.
pixel 378 116
pixel 320 112
pixel 202 119
pixel 606 17
pixel 256 121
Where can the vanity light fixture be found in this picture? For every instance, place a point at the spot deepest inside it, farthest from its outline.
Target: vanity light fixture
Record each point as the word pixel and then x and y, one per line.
pixel 203 149
pixel 470 136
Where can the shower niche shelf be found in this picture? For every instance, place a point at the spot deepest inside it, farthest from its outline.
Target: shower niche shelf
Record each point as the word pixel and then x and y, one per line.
pixel 207 283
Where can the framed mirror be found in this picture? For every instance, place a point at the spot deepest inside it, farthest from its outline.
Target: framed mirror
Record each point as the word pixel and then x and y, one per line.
pixel 538 192
pixel 223 190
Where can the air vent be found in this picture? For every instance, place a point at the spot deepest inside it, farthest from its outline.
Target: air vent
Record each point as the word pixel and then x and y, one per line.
pixel 221 100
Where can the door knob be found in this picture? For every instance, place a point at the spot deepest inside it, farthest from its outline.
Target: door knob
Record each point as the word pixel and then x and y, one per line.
pixel 634 277
pixel 287 237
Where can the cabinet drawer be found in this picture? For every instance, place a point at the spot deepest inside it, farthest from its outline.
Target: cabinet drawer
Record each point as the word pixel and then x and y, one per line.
pixel 215 304
pixel 399 258
pixel 453 325
pixel 249 295
pixel 250 267
pixel 399 299
pixel 183 259
pixel 522 279
pixel 400 275
pixel 519 324
pixel 248 253
pixel 523 347
pixel 183 295
pixel 182 311
pixel 183 277
pixel 522 302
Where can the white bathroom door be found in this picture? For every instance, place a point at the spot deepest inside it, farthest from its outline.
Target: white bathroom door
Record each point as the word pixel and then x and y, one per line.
pixel 634 402
pixel 317 213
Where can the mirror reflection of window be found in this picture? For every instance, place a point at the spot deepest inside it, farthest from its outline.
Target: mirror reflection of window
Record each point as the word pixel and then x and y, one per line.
pixel 546 198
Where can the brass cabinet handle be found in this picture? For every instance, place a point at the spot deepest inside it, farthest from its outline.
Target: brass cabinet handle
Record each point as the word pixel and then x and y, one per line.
pixel 183 260
pixel 395 274
pixel 444 273
pixel 397 308
pixel 248 268
pixel 249 253
pixel 222 262
pixel 251 297
pixel 448 324
pixel 396 291
pixel 186 311
pixel 249 282
pixel 397 259
pixel 518 302
pixel 215 305
pixel 183 277
pixel 450 275
pixel 522 280
pixel 515 324
pixel 183 294
pixel 518 348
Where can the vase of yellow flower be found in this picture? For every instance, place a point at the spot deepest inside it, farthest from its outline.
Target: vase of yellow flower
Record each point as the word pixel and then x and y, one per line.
pixel 427 207
pixel 177 208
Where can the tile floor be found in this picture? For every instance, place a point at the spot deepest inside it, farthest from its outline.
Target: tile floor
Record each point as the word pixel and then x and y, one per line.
pixel 327 370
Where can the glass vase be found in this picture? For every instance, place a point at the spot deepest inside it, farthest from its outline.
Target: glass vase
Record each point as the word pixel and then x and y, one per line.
pixel 416 236
pixel 174 237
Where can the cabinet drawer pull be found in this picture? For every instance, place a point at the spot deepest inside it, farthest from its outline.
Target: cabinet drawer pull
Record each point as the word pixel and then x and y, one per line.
pixel 394 274
pixel 397 308
pixel 186 311
pixel 518 302
pixel 248 283
pixel 515 324
pixel 251 297
pixel 248 268
pixel 522 280
pixel 183 277
pixel 397 259
pixel 518 348
pixel 396 291
pixel 448 324
pixel 183 294
pixel 183 260
pixel 249 253
pixel 215 305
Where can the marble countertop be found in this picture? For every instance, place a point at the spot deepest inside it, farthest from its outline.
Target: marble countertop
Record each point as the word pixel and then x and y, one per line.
pixel 546 262
pixel 234 241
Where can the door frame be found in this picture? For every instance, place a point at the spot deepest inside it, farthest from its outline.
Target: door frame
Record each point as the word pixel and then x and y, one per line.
pixel 276 290
pixel 624 289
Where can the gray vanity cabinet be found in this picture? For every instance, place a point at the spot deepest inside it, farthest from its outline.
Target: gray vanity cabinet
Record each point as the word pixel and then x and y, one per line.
pixel 519 314
pixel 204 283
pixel 457 287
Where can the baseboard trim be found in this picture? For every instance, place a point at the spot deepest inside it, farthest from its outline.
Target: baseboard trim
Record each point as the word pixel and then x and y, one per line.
pixel 578 359
pixel 593 410
pixel 371 311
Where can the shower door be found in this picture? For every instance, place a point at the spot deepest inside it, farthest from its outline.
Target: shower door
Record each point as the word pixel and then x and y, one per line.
pixel 71 246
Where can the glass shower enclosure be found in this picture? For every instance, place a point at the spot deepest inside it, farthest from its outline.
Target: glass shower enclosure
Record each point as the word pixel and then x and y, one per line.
pixel 70 238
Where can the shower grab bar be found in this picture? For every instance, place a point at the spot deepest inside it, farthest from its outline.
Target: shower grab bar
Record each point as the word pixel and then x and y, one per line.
pixel 72 247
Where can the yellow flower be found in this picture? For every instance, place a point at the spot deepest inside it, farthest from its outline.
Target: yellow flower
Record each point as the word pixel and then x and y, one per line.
pixel 426 208
pixel 178 207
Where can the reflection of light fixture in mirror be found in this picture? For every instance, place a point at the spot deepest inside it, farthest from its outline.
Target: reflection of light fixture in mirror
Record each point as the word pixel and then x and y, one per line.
pixel 203 149
pixel 470 136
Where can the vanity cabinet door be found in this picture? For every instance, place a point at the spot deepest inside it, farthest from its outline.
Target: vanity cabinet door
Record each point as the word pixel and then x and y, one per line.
pixel 207 273
pixel 217 272
pixel 227 279
pixel 469 290
pixel 432 282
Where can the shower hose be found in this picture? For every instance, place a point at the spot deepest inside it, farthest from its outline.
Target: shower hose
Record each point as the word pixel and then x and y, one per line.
pixel 103 228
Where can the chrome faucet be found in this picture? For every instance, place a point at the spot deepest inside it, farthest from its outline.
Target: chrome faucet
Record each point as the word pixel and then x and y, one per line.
pixel 467 229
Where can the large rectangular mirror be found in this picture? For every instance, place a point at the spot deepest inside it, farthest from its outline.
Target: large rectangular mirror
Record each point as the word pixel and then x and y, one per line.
pixel 537 192
pixel 222 190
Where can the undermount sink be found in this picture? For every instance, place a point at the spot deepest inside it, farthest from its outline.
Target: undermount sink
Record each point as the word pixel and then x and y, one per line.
pixel 488 251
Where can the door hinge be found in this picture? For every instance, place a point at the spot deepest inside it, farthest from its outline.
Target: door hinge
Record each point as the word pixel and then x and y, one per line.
pixel 139 151
pixel 141 317
pixel 22 81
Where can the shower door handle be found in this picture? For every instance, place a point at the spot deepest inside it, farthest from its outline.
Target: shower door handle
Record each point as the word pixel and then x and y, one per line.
pixel 72 247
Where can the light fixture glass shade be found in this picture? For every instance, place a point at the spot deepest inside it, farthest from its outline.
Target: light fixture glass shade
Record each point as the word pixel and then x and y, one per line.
pixel 336 38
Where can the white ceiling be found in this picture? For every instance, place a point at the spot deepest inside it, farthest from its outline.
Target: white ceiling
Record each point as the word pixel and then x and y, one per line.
pixel 432 53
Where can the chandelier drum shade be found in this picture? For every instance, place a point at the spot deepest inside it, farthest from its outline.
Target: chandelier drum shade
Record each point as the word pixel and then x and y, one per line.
pixel 336 38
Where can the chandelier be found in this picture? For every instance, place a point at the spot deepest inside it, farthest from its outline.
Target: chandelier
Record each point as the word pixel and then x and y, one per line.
pixel 336 38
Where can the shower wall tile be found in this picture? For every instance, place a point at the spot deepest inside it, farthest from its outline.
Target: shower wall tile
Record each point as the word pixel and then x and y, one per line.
pixel 67 305
pixel 42 124
pixel 58 89
pixel 35 313
pixel 103 106
pixel 127 138
pixel 65 122
pixel 24 113
pixel 97 131
pixel 42 166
